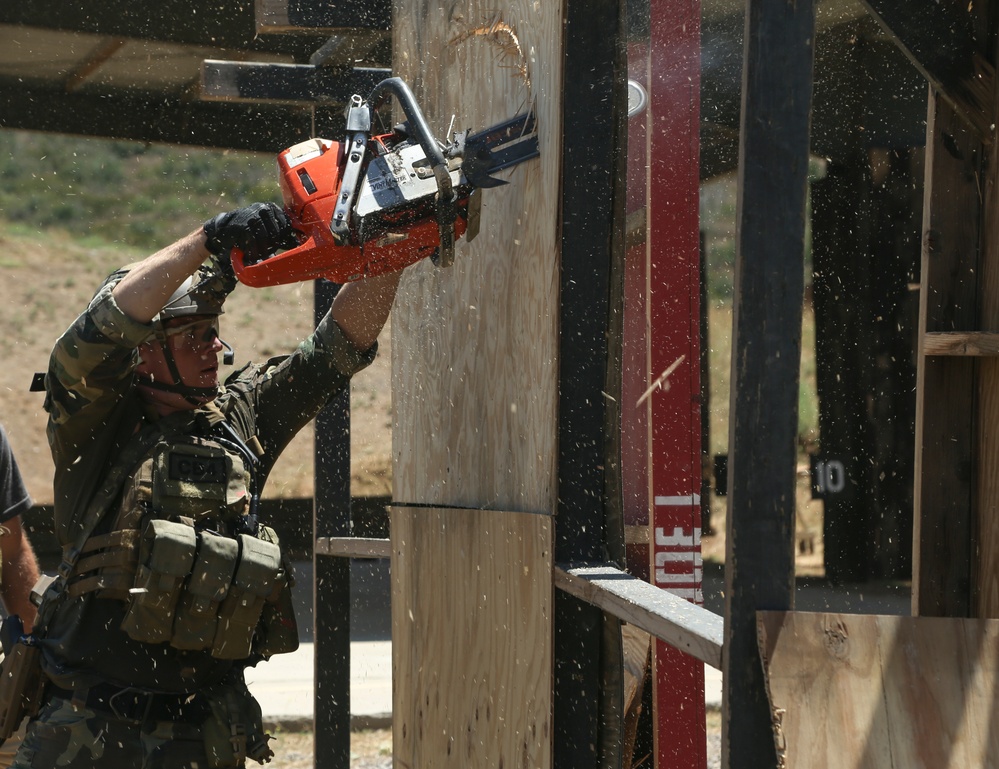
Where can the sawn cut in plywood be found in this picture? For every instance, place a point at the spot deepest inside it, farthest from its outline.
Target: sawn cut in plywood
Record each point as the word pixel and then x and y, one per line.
pixel 471 638
pixel 878 692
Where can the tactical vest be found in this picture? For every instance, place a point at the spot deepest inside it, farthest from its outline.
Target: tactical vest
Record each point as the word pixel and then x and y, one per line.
pixel 184 552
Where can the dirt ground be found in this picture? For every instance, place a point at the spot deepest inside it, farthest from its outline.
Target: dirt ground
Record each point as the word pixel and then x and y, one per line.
pixel 373 749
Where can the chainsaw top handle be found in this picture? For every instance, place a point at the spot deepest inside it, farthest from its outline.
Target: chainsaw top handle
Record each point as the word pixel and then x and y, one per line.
pixel 417 123
pixel 446 204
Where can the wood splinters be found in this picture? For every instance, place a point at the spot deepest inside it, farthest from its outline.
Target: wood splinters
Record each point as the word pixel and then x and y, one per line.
pixel 503 37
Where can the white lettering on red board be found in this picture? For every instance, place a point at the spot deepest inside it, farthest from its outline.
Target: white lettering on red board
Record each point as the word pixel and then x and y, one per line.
pixel 679 568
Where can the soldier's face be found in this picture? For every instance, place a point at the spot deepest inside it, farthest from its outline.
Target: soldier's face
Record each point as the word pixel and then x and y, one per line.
pixel 195 347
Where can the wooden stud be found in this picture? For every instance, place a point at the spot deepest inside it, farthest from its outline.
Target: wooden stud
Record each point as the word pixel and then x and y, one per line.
pixel 98 56
pixel 945 396
pixel 766 354
pixel 331 583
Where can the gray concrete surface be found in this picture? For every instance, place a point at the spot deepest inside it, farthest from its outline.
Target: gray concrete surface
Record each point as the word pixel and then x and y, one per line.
pixel 283 685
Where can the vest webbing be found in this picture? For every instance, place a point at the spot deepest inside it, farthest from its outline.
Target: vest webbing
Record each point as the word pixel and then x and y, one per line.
pixel 100 504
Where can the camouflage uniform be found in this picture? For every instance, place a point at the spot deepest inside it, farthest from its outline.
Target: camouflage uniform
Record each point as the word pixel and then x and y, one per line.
pixel 93 411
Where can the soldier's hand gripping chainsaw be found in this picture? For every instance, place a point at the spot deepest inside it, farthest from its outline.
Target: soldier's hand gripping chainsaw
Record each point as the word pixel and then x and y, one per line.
pixel 376 203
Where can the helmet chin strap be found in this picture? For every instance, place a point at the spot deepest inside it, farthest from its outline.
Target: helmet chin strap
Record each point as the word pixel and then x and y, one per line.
pixel 196 396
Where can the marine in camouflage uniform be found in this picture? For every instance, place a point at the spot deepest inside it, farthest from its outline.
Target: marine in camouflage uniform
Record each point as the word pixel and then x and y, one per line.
pixel 115 698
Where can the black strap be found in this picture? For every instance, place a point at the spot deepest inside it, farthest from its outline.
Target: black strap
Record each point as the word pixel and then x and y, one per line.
pixel 136 705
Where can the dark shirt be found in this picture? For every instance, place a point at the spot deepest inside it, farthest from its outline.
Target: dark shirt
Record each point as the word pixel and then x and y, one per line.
pixel 14 498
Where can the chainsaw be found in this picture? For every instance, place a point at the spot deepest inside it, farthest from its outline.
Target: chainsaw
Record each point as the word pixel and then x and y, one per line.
pixel 373 204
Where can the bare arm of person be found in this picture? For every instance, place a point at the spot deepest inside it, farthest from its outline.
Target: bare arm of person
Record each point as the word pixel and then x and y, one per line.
pixel 19 572
pixel 147 286
pixel 362 307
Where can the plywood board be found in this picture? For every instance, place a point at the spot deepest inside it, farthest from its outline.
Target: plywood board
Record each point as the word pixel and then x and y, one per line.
pixel 474 387
pixel 471 638
pixel 475 345
pixel 876 692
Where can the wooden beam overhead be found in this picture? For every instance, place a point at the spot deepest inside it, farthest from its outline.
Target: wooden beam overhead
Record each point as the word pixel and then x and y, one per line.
pixel 255 82
pixel 104 51
pixel 302 15
pixel 939 39
pixel 188 22
pixel 153 118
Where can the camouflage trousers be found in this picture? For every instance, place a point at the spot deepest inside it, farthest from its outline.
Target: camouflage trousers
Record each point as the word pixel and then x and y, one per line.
pixel 80 738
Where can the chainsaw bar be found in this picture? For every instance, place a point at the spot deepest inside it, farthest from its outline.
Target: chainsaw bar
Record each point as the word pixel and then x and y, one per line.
pixel 501 146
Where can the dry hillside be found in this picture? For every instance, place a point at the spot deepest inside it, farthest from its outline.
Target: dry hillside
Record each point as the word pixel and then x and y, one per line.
pixel 47 279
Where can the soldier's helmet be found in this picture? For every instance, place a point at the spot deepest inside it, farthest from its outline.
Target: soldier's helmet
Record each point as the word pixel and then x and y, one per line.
pixel 190 299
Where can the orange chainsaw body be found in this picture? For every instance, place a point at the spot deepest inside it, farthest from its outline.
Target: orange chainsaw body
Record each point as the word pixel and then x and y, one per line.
pixel 311 174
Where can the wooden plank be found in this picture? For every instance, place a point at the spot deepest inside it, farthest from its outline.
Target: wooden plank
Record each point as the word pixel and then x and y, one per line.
pixel 680 623
pixel 471 638
pixel 353 547
pixel 879 692
pixel 331 576
pixel 304 16
pixel 637 664
pixel 286 83
pixel 93 62
pixel 475 395
pixel 189 22
pixel 588 730
pixel 475 367
pixel 156 118
pixel 986 435
pixel 939 39
pixel 961 343
pixel 945 397
pixel 766 345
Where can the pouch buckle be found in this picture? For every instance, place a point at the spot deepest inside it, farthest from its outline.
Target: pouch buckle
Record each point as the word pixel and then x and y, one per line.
pixel 135 708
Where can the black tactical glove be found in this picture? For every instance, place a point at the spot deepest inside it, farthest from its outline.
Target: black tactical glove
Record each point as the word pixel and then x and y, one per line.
pixel 258 231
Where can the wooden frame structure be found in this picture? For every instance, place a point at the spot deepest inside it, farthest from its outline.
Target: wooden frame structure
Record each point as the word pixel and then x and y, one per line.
pixel 555 505
pixel 593 595
pixel 584 727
